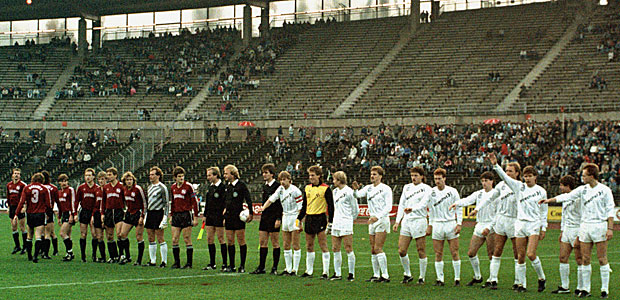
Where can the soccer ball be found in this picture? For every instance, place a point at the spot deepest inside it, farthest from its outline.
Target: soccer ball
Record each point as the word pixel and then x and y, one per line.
pixel 243 216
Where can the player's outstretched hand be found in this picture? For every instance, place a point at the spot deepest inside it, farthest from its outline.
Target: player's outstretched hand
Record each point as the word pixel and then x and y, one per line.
pixel 355 185
pixel 492 158
pixel 453 206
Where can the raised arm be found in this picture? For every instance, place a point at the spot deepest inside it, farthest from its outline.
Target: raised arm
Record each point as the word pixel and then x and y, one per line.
pixel 513 184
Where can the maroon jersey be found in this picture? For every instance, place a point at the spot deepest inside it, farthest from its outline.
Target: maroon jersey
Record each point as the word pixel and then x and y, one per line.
pixel 86 196
pixel 37 199
pixel 98 200
pixel 113 197
pixel 14 192
pixel 135 199
pixel 66 200
pixel 54 195
pixel 184 198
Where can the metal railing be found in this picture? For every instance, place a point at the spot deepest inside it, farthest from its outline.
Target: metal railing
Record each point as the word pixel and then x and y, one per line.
pixel 131 158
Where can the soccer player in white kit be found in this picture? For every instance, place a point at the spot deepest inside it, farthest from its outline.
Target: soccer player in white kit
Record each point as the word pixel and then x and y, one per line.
pixel 412 215
pixel 379 197
pixel 569 238
pixel 346 210
pixel 597 219
pixel 291 198
pixel 445 225
pixel 531 221
pixel 485 218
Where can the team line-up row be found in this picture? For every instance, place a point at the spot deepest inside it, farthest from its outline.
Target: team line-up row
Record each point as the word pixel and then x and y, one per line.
pixel 512 209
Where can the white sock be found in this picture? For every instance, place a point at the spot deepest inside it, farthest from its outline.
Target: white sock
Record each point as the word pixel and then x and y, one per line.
pixel 309 263
pixel 439 270
pixel 296 260
pixel 351 257
pixel 383 265
pixel 494 268
pixel 605 270
pixel 423 263
pixel 153 252
pixel 579 277
pixel 404 260
pixel 538 268
pixel 475 264
pixel 456 265
pixel 522 270
pixel 375 266
pixel 326 258
pixel 517 278
pixel 586 275
pixel 288 260
pixel 338 263
pixel 163 249
pixel 564 273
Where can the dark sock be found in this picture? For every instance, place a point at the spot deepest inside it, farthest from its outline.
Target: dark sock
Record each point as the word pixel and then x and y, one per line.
pixel 37 248
pixel 176 253
pixel 46 247
pixel 28 246
pixel 243 250
pixel 94 244
pixel 101 249
pixel 16 239
pixel 83 247
pixel 189 250
pixel 231 256
pixel 121 248
pixel 224 250
pixel 140 251
pixel 263 257
pixel 112 249
pixel 25 237
pixel 127 253
pixel 276 258
pixel 211 254
pixel 55 244
pixel 68 245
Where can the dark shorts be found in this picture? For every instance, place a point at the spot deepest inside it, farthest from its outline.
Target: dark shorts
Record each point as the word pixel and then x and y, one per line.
pixel 36 220
pixel 153 219
pixel 85 216
pixel 315 223
pixel 113 216
pixel 132 219
pixel 181 219
pixel 13 210
pixel 232 222
pixel 49 217
pixel 97 220
pixel 64 218
pixel 268 222
pixel 214 220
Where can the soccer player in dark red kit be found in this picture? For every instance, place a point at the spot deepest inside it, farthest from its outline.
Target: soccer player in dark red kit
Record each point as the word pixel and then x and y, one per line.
pixel 134 216
pixel 13 193
pixel 184 201
pixel 85 201
pixel 66 214
pixel 37 199
pixel 112 206
pixel 97 218
pixel 50 232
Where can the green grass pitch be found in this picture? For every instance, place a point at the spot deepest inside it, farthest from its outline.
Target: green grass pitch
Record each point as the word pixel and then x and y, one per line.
pixel 54 279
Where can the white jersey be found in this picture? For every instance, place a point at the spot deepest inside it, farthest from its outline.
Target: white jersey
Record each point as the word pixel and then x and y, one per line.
pixel 571 215
pixel 507 202
pixel 379 199
pixel 346 208
pixel 416 198
pixel 439 204
pixel 485 206
pixel 596 203
pixel 291 199
pixel 528 209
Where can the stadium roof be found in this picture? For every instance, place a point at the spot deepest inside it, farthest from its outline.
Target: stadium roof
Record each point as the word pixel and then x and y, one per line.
pixel 13 10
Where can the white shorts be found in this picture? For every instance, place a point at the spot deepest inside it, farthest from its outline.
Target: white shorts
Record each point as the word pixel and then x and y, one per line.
pixel 480 227
pixel 569 235
pixel 444 231
pixel 289 223
pixel 414 228
pixel 593 233
pixel 382 225
pixel 525 229
pixel 505 226
pixel 341 233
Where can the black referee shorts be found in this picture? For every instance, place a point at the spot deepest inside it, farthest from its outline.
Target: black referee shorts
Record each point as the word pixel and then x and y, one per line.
pixel 13 210
pixel 153 219
pixel 181 219
pixel 113 216
pixel 35 220
pixel 315 223
pixel 214 220
pixel 268 223
pixel 232 222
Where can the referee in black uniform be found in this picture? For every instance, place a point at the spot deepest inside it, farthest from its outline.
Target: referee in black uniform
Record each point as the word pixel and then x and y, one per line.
pixel 271 218
pixel 237 195
pixel 214 217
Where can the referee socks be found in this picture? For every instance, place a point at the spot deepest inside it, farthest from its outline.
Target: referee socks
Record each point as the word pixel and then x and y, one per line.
pixel 211 254
pixel 276 258
pixel 243 251
pixel 224 251
pixel 263 257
